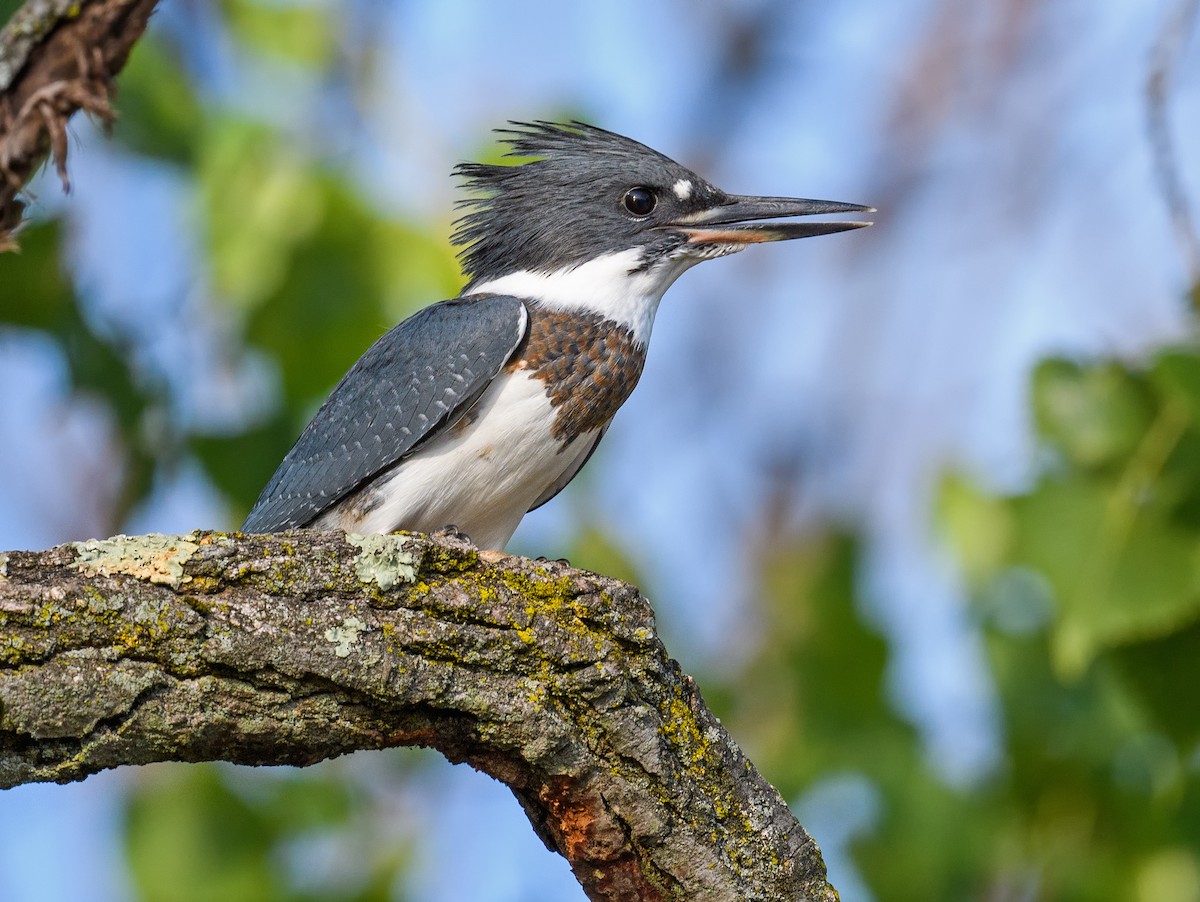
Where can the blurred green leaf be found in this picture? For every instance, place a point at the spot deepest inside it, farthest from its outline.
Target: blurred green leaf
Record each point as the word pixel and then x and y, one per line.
pixel 1170 875
pixel 414 266
pixel 1112 525
pixel 329 304
pixel 204 833
pixel 7 8
pixel 320 274
pixel 293 31
pixel 1101 730
pixel 819 699
pixel 1093 414
pixel 1118 568
pixel 1161 671
pixel 36 291
pixel 193 840
pixel 814 701
pixel 237 463
pixel 261 200
pixel 1177 372
pixel 979 527
pixel 160 116
pixel 316 273
pixel 1088 589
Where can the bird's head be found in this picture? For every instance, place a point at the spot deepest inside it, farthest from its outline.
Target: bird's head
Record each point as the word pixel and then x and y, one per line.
pixel 583 193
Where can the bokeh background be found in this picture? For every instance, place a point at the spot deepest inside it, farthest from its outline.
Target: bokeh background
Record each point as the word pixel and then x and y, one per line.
pixel 919 506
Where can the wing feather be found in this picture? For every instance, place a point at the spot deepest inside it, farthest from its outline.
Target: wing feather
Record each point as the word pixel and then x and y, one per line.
pixel 570 474
pixel 421 376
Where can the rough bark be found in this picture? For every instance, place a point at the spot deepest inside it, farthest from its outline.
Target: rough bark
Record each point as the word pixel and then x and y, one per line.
pixel 293 648
pixel 56 57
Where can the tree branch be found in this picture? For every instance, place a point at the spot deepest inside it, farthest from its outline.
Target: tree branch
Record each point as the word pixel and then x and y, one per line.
pixel 1177 27
pixel 293 648
pixel 56 57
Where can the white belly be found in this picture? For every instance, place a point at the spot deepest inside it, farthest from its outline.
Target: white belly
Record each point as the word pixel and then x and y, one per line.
pixel 481 478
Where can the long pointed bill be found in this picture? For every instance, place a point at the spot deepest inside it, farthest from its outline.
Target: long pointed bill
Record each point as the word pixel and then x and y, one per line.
pixel 738 220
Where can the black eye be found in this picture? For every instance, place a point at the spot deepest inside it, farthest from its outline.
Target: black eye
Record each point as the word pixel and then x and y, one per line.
pixel 640 201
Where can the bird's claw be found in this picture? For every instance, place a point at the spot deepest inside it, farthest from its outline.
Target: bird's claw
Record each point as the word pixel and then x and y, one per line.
pixel 452 532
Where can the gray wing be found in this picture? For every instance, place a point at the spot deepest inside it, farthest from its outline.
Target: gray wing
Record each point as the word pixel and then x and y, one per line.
pixel 420 376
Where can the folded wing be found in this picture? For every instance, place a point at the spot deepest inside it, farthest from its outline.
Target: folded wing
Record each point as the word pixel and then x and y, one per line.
pixel 419 378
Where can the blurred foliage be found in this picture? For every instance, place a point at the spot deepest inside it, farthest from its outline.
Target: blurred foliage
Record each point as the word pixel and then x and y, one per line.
pixel 201 834
pixel 1112 524
pixel 38 295
pixel 1085 590
pixel 293 32
pixel 7 8
pixel 312 271
pixel 1085 587
pixel 312 274
pixel 160 115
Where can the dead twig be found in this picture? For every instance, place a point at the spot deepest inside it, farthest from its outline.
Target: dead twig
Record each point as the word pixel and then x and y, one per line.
pixel 1164 59
pixel 55 59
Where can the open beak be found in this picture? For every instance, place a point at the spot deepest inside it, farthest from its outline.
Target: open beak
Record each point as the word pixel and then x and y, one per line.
pixel 737 221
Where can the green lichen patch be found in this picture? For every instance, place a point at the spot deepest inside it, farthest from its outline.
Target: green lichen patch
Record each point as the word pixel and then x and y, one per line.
pixel 154 558
pixel 444 561
pixel 73 694
pixel 345 636
pixel 383 560
pixel 542 594
pixel 681 729
pixel 12 649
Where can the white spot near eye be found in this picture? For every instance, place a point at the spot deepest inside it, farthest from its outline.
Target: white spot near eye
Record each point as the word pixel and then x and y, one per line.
pixel 682 189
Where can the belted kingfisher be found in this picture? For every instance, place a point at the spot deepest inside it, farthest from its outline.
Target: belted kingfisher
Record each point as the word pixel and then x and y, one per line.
pixel 476 410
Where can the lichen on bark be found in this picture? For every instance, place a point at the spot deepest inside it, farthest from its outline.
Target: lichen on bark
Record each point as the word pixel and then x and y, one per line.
pixel 292 648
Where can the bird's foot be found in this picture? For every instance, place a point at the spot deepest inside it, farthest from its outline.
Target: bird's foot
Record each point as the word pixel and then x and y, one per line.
pixel 558 560
pixel 452 532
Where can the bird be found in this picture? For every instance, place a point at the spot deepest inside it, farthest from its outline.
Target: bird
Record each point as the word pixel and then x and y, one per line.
pixel 478 409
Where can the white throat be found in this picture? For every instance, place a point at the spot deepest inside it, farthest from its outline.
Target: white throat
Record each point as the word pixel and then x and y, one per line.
pixel 612 286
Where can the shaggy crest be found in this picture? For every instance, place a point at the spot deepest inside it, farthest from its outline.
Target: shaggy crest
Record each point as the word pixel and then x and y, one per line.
pixel 560 205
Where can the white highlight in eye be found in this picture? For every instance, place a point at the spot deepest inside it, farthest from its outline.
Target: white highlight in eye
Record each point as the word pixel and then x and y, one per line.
pixel 682 189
